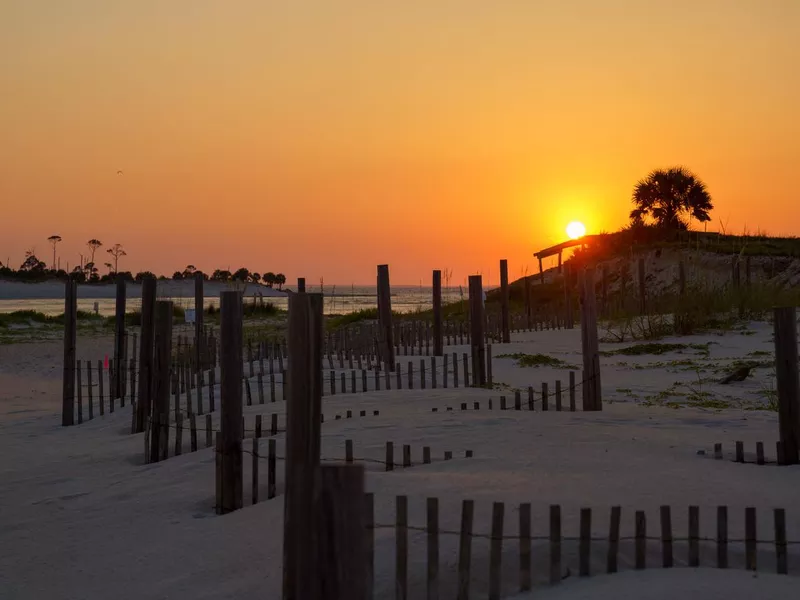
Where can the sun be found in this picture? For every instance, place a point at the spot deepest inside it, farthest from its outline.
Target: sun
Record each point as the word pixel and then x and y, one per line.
pixel 576 230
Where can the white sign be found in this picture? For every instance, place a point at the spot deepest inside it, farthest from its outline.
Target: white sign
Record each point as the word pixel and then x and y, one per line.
pixel 188 315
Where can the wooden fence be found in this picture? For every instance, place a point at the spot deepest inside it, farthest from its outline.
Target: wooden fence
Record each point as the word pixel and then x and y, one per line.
pixel 669 548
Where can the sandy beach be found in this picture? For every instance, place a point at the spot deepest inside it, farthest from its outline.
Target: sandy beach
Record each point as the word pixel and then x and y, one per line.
pixel 81 505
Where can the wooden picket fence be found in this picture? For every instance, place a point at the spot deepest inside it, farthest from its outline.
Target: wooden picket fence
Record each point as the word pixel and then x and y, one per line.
pixel 558 563
pixel 388 464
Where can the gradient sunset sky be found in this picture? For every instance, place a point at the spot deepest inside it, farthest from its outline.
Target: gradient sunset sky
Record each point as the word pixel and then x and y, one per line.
pixel 320 138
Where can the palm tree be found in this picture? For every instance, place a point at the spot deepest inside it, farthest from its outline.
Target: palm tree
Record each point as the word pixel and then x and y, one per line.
pixel 669 196
pixel 54 239
pixel 93 246
pixel 269 279
pixel 280 279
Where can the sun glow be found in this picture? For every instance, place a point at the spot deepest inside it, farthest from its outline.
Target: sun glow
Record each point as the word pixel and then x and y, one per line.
pixel 576 230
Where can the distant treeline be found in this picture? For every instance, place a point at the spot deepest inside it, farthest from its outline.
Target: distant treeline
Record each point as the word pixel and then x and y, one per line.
pixel 34 270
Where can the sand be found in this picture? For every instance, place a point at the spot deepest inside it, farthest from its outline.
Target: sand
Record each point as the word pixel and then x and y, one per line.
pixel 83 517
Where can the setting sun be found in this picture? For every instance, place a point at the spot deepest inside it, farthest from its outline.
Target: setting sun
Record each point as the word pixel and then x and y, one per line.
pixel 576 230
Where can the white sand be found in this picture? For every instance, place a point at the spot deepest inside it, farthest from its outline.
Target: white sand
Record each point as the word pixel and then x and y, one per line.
pixel 54 290
pixel 707 584
pixel 82 517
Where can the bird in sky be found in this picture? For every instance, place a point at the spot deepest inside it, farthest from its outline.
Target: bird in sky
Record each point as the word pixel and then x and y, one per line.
pixel 119 172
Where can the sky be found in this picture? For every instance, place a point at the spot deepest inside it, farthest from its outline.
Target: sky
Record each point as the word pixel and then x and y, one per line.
pixel 320 138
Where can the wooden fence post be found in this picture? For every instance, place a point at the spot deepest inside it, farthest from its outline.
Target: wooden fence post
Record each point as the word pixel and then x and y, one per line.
pixel 143 407
pixel 528 307
pixel 592 398
pixel 70 341
pixel 569 317
pixel 160 380
pixel 302 445
pixel 199 341
pixel 787 376
pixel 476 316
pixel 230 337
pixel 385 317
pixel 119 339
pixel 301 285
pixel 504 299
pixel 340 544
pixel 642 288
pixel 438 337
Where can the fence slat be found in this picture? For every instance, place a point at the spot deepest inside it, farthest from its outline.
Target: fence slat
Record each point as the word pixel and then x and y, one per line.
pixel 585 542
pixel 496 551
pixel 781 562
pixel 433 549
pixel 525 547
pixel 613 539
pixel 750 538
pixel 255 460
pixel 722 537
pixel 401 548
pixel 555 543
pixel 641 540
pixel 666 537
pixel 694 536
pixel 465 550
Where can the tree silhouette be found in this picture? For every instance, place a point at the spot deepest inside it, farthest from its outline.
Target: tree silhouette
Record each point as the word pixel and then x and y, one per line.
pixel 54 239
pixel 189 271
pixel 117 251
pixel 242 274
pixel 280 279
pixel 269 279
pixel 255 277
pixel 32 263
pixel 93 246
pixel 669 196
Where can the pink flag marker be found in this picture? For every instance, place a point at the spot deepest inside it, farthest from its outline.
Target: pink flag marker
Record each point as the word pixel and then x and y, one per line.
pixel 105 363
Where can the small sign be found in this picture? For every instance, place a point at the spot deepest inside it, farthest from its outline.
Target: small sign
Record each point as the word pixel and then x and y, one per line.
pixel 188 315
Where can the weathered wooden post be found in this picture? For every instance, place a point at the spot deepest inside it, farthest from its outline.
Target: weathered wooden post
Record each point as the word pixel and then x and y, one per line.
pixel 301 285
pixel 476 317
pixel 230 337
pixel 438 336
pixel 681 278
pixel 70 341
pixel 143 405
pixel 119 339
pixel 788 382
pixel 569 318
pixel 385 317
pixel 592 398
pixel 341 558
pixel 528 306
pixel 642 288
pixel 505 326
pixel 199 341
pixel 160 381
pixel 300 569
pixel 605 290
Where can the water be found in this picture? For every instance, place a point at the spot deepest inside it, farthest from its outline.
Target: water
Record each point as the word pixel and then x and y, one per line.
pixel 338 300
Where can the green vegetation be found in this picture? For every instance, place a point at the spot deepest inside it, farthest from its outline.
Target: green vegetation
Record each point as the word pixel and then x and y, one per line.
pixel 656 348
pixel 29 318
pixel 334 322
pixel 537 360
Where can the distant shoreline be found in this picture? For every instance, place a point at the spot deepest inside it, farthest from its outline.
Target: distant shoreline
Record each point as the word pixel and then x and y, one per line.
pixel 53 290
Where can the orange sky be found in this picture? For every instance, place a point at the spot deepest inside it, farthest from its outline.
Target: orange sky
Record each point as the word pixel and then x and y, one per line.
pixel 322 137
